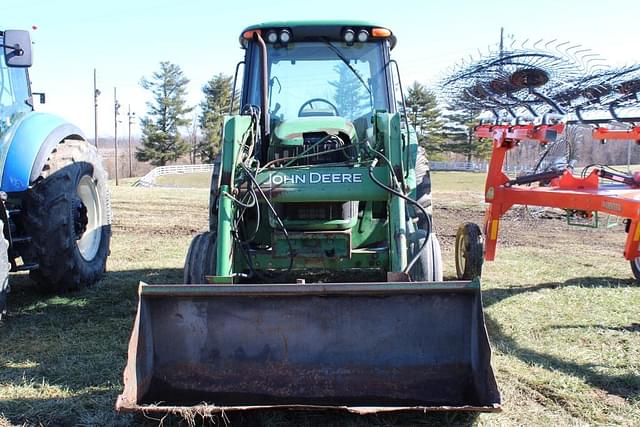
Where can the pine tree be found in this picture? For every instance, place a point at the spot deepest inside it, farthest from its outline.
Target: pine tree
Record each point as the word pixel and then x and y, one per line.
pixel 351 96
pixel 424 115
pixel 217 99
pixel 161 139
pixel 458 132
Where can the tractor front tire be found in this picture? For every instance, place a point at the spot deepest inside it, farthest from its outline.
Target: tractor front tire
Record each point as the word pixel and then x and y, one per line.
pixel 68 215
pixel 201 259
pixel 428 267
pixel 469 251
pixel 4 271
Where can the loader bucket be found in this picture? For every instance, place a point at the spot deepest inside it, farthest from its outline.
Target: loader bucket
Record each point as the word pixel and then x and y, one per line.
pixel 359 347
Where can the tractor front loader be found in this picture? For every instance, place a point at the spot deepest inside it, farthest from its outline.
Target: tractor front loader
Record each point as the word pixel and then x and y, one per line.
pixel 319 284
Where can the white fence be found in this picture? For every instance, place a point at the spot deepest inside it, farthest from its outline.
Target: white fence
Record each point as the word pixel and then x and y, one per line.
pixel 458 166
pixel 475 167
pixel 149 180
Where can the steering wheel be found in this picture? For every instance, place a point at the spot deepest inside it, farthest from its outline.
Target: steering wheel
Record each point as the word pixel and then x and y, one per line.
pixel 310 102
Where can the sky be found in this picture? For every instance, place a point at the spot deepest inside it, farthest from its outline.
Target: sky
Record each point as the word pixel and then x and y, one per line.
pixel 125 40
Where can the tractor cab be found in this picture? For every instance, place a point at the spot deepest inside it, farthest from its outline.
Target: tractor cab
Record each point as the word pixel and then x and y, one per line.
pixel 320 79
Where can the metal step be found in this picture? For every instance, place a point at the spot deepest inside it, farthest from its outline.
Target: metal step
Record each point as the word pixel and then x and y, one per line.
pixel 20 239
pixel 27 267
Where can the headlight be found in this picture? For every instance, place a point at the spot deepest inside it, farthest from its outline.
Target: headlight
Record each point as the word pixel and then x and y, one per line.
pixel 272 36
pixel 349 35
pixel 285 36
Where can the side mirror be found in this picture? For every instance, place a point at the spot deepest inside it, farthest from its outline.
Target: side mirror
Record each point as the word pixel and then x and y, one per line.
pixel 42 96
pixel 17 48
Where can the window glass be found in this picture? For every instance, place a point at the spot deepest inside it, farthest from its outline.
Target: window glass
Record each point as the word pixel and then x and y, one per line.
pixel 323 79
pixel 14 94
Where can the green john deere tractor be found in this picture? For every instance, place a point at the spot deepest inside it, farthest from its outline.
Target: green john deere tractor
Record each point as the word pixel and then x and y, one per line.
pixel 319 283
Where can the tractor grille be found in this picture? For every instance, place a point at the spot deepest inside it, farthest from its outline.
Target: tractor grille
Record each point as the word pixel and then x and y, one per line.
pixel 316 211
pixel 306 215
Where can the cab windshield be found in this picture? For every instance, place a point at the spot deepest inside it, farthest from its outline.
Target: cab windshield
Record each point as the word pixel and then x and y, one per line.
pixel 322 79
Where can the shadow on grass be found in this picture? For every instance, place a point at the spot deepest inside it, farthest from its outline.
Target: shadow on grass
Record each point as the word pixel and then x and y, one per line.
pixel 634 327
pixel 495 295
pixel 281 418
pixel 626 386
pixel 65 356
pixel 73 345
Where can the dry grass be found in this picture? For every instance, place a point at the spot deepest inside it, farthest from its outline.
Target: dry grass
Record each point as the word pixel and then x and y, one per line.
pixel 192 180
pixel 561 310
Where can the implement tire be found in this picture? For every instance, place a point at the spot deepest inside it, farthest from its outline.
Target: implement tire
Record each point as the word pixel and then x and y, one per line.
pixel 4 271
pixel 635 268
pixel 469 251
pixel 68 215
pixel 201 259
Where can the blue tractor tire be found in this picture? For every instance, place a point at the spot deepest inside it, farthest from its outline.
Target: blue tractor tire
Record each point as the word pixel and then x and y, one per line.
pixel 5 266
pixel 68 215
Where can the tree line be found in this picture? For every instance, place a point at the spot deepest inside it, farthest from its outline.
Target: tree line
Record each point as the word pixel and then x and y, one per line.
pixel 440 132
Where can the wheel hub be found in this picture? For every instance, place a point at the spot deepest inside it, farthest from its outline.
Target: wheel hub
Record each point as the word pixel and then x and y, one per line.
pixel 80 219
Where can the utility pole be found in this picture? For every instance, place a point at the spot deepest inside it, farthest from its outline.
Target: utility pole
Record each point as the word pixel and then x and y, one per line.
pixel 96 93
pixel 131 117
pixel 116 107
pixel 194 139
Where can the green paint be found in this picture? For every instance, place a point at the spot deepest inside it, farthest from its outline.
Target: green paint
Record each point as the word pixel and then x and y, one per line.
pixel 235 128
pixel 388 128
pixel 323 184
pixel 313 245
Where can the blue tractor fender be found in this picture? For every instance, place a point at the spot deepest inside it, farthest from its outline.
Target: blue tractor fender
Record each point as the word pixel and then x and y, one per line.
pixel 30 143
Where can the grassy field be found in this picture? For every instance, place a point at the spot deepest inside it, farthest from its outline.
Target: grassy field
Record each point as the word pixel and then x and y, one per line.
pixel 191 180
pixel 561 309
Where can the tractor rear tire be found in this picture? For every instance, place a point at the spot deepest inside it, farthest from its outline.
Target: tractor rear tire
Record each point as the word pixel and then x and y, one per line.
pixel 469 251
pixel 68 215
pixel 428 267
pixel 423 184
pixel 213 193
pixel 201 259
pixel 4 272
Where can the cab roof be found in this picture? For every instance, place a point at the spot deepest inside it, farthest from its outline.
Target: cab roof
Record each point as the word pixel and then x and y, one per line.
pixel 331 29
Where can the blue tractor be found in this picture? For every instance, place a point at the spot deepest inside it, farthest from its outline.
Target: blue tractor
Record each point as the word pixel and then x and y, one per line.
pixel 55 212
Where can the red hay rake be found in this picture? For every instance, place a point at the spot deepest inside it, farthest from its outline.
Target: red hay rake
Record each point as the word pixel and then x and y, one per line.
pixel 539 95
